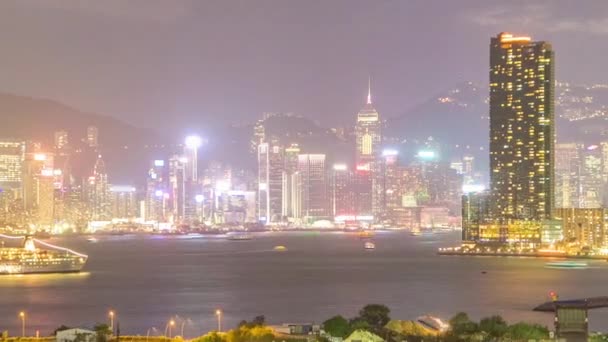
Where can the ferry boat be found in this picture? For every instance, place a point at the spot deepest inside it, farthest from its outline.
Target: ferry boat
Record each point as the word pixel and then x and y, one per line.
pixel 239 237
pixel 567 264
pixel 369 246
pixel 31 259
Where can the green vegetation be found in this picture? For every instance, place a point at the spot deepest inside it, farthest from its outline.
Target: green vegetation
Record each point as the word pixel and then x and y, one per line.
pixel 493 328
pixel 372 318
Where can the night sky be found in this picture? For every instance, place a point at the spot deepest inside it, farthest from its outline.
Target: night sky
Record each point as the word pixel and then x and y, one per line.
pixel 179 65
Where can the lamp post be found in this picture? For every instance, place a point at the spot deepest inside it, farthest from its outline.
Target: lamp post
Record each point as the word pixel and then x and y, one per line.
pixel 22 317
pixel 218 313
pixel 182 330
pixel 171 325
pixel 111 314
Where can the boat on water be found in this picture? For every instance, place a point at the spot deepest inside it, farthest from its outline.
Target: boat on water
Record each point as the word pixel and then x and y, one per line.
pixel 92 239
pixel 31 259
pixel 567 264
pixel 366 234
pixel 239 237
pixel 280 248
pixel 369 245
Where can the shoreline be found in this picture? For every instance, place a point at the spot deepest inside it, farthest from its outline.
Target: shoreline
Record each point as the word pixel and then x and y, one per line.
pixel 524 255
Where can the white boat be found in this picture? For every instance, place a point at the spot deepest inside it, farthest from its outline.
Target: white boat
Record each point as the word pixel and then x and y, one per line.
pixel 369 245
pixel 92 239
pixel 239 237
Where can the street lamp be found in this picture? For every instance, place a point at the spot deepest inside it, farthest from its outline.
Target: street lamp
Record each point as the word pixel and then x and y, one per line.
pixel 218 313
pixel 22 317
pixel 111 314
pixel 171 325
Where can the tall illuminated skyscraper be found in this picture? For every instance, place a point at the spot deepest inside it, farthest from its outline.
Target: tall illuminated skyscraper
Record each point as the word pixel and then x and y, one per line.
pixel 290 168
pixel 315 203
pixel 368 135
pixel 12 156
pixel 522 128
pixel 177 187
pixel 270 182
pixel 191 146
pixel 101 206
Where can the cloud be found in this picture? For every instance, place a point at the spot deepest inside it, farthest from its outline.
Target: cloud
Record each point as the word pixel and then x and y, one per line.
pixel 538 17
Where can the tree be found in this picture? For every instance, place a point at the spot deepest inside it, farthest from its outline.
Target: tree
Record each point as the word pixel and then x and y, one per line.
pixel 376 315
pixel 462 328
pixel 494 326
pixel 337 326
pixel 213 336
pixel 524 331
pixel 358 324
pixel 102 331
pixel 259 321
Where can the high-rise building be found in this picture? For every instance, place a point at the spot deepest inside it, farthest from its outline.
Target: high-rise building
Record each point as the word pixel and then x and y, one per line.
pixel 315 204
pixel 591 178
pixel 363 191
pixel 157 192
pixel 289 169
pixel 568 168
pixel 61 140
pixel 191 146
pixel 12 156
pixel 368 136
pixel 123 199
pixel 177 187
pixel 521 128
pixel 101 206
pixel 92 136
pixel 393 179
pixel 342 191
pixel 587 227
pixel 270 182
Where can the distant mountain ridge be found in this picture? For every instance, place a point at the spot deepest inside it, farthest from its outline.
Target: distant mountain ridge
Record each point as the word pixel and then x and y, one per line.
pixel 124 147
pixel 32 118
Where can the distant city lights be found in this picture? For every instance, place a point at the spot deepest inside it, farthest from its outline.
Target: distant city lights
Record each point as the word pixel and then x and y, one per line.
pixel 426 154
pixel 471 188
pixel 390 152
pixel 193 141
pixel 340 167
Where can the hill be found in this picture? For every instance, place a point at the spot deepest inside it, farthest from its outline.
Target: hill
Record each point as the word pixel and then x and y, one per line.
pixel 125 147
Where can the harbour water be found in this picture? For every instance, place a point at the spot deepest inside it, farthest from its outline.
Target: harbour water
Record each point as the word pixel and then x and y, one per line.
pixel 147 280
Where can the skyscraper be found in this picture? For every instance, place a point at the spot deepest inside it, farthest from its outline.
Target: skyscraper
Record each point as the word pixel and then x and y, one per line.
pixel 92 136
pixel 342 191
pixel 368 135
pixel 12 156
pixel 101 206
pixel 157 192
pixel 289 169
pixel 521 128
pixel 270 182
pixel 177 187
pixel 61 139
pixel 315 204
